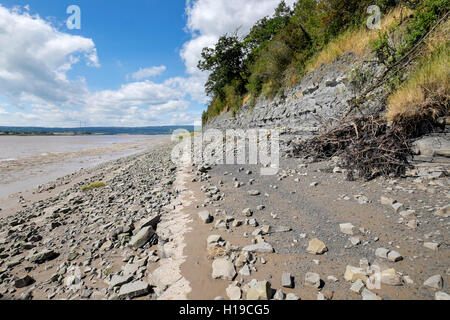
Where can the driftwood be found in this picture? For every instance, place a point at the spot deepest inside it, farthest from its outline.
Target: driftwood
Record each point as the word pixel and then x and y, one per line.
pixel 366 145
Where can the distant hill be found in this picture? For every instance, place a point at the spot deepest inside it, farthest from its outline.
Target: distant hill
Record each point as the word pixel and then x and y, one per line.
pixel 92 130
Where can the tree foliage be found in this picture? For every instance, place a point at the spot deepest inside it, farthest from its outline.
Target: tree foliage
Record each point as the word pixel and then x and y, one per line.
pixel 275 51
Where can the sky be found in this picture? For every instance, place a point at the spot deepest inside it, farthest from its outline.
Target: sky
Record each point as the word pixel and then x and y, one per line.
pixel 131 63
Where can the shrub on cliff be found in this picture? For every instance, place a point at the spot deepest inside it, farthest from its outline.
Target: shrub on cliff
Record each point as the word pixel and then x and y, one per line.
pixel 277 50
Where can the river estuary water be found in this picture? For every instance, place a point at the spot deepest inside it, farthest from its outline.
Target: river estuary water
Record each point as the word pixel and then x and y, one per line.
pixel 29 161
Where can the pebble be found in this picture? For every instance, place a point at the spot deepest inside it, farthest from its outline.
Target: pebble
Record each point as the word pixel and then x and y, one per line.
pixel 358 286
pixel 287 280
pixel 234 293
pixel 347 228
pixel 312 280
pixel 441 296
pixel 434 282
pixel 260 291
pixel 205 217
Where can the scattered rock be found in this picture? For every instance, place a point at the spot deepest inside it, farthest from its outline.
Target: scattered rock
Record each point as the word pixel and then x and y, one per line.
pixel 287 280
pixel 205 217
pixel 245 271
pixel 23 282
pixel 432 245
pixel 247 212
pixel 234 292
pixel 358 286
pixel 254 193
pixel 134 290
pixel 382 253
pixel 312 280
pixel 261 291
pixel 391 278
pixel 263 247
pixel 355 241
pixel 279 295
pixel 369 295
pixel 397 206
pixel 352 274
pixel 292 297
pixel 316 247
pixel 394 256
pixel 387 201
pixel 42 256
pixel 441 296
pixel 213 239
pixel 223 269
pixel 347 228
pixel 435 282
pixel 118 281
pixel 142 237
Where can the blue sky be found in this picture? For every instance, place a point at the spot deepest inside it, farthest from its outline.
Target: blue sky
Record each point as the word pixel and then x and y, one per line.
pixel 133 63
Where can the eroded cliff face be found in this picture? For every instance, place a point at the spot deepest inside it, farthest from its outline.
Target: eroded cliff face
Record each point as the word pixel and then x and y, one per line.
pixel 320 99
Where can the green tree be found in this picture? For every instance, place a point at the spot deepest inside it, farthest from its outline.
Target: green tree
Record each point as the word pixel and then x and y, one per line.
pixel 225 62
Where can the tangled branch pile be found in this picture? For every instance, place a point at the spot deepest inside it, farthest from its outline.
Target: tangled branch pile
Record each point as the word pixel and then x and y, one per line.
pixel 366 145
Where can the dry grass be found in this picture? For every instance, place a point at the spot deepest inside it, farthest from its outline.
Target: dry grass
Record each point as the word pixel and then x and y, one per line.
pixel 246 99
pixel 427 88
pixel 216 252
pixel 356 41
pixel 95 185
pixel 291 76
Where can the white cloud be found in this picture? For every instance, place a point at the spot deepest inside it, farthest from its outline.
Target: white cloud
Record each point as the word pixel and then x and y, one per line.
pixel 35 58
pixel 34 61
pixel 192 86
pixel 147 73
pixel 210 19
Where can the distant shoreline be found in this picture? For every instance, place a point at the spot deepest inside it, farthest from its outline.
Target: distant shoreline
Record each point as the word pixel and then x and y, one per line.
pixel 91 131
pixel 74 134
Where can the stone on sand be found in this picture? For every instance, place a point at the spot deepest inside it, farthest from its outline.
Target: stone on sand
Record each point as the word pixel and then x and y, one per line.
pixel 347 228
pixel 234 292
pixel 142 237
pixel 316 247
pixel 263 247
pixel 261 291
pixel 435 282
pixel 312 280
pixel 134 290
pixel 286 280
pixel 205 217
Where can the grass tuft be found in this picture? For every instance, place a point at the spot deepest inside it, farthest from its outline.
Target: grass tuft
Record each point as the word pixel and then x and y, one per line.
pixel 95 185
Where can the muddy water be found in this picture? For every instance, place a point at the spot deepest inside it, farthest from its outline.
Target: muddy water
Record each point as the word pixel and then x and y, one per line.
pixel 27 162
